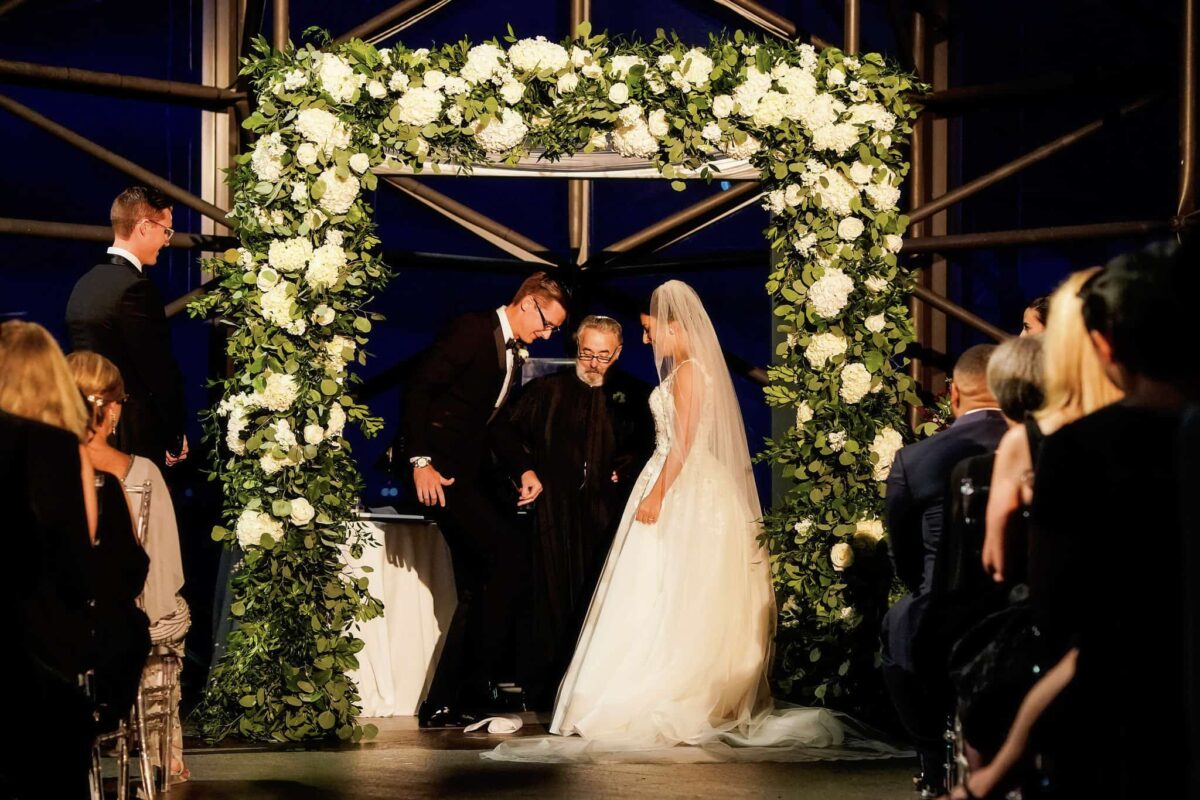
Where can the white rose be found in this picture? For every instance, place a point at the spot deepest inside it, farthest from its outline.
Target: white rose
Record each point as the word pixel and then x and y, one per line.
pixel 620 65
pixel 829 294
pixel 360 162
pixel 592 71
pixel 267 278
pixel 841 555
pixel 876 323
pixel 337 421
pixel 313 433
pixel 658 123
pixel 696 66
pixel 876 284
pixel 306 154
pixel 598 140
pixel 804 414
pixel 835 77
pixel 886 444
pixel 618 93
pixel 579 56
pixel 856 382
pixel 722 106
pixel 868 531
pixel 850 229
pixel 823 347
pixel 323 315
pixel 512 92
pixel 302 512
pixel 434 79
pixel 567 83
pixel 377 90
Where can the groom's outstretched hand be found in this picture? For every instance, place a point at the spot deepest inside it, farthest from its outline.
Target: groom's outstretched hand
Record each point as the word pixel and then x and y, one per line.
pixel 531 487
pixel 429 483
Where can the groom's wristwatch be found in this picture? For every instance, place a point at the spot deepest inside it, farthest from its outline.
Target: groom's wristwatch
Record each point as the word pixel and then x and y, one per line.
pixel 420 462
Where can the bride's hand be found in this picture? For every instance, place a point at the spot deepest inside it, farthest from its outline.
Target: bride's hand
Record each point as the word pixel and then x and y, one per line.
pixel 649 509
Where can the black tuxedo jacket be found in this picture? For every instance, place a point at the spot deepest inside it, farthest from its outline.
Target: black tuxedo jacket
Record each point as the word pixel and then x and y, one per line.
pixel 117 311
pixel 451 401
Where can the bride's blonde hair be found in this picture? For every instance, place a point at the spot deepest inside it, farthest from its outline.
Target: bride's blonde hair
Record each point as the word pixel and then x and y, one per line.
pixel 1075 381
pixel 99 382
pixel 35 381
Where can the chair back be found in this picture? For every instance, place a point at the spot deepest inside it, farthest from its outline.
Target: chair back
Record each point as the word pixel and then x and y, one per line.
pixel 141 497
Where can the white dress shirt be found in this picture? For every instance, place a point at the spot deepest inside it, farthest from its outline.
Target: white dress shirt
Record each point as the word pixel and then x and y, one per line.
pixel 507 333
pixel 128 256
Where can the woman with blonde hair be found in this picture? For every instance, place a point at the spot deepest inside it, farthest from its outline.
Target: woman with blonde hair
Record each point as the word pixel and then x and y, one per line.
pixel 100 383
pixel 1075 385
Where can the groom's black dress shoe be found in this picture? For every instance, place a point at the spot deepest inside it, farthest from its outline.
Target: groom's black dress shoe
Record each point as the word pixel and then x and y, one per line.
pixel 433 717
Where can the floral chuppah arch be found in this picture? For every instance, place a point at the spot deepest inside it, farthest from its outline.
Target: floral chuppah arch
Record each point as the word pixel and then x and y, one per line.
pixel 824 129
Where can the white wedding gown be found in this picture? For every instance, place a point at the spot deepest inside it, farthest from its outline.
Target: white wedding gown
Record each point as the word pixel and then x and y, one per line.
pixel 678 638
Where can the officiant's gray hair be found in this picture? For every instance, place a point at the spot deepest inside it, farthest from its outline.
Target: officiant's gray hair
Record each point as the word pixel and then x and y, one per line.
pixel 602 324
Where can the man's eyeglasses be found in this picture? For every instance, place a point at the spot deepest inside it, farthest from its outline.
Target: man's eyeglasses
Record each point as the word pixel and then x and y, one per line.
pixel 169 231
pixel 546 326
pixel 587 355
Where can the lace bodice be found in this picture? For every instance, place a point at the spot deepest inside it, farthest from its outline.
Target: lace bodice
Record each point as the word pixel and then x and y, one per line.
pixel 661 408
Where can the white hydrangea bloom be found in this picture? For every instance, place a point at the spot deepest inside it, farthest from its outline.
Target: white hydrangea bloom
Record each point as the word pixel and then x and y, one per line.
pixel 503 133
pixel 722 106
pixel 883 196
pixel 340 193
pixel 567 82
pixel 484 61
pixel 836 441
pixel 454 116
pixel 808 56
pixel 279 393
pixel 770 110
pixel 829 294
pixel 276 304
pixel 326 266
pixel 323 129
pixel 711 132
pixel 823 347
pixel 289 255
pixel 886 444
pixel 799 84
pixel 820 110
pixel 805 244
pixel 454 86
pixel 696 66
pixel 773 201
pixel 747 148
pixel 295 79
pixel 635 140
pixel 838 137
pixel 856 382
pixel 269 464
pixel 267 160
pixel 360 162
pixel 536 55
pixel 802 527
pixel 748 93
pixel 835 191
pixel 873 114
pixel 299 194
pixel 233 431
pixel 302 511
pixel 252 526
pixel 338 78
pixel 284 436
pixel 336 423
pixel 420 106
pixel 804 414
pixel 658 123
pixel 399 81
pixel 850 229
pixel 876 323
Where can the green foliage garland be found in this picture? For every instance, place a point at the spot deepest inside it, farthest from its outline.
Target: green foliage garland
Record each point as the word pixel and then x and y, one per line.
pixel 823 128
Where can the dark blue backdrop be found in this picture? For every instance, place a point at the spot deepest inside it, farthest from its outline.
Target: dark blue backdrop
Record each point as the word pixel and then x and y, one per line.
pixel 1128 173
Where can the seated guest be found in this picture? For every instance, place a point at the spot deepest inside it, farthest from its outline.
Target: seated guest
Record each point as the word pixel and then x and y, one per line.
pixel 44 480
pixel 589 433
pixel 100 383
pixel 1108 481
pixel 916 488
pixel 1075 384
pixel 1033 320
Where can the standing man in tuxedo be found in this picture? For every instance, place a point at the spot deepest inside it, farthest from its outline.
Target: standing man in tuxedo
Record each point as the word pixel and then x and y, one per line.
pixel 916 490
pixel 116 311
pixel 452 416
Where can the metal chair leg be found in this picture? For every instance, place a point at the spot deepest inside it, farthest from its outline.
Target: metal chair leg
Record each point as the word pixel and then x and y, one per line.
pixel 122 762
pixel 147 770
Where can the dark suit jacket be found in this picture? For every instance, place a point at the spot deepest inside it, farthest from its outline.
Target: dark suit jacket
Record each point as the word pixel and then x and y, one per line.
pixel 916 491
pixel 451 399
pixel 117 312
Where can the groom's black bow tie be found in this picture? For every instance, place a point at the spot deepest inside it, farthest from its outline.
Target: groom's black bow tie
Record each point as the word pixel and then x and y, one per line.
pixel 518 350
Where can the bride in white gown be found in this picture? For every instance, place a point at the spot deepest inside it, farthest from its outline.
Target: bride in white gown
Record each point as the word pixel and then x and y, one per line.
pixel 678 639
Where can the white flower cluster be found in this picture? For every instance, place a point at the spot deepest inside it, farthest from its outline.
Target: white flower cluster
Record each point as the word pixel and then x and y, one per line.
pixel 279 392
pixel 252 526
pixel 420 106
pixel 885 445
pixel 338 352
pixel 289 255
pixel 338 78
pixel 277 304
pixel 340 193
pixel 868 532
pixel 823 347
pixel 538 55
pixel 632 137
pixel 804 414
pixel 267 161
pixel 324 130
pixel 856 382
pixel 829 294
pixel 836 440
pixel 336 422
pixel 485 62
pixel 502 133
pixel 326 266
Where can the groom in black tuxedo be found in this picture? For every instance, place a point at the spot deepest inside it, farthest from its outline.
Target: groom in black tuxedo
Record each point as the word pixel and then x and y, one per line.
pixel 452 416
pixel 116 311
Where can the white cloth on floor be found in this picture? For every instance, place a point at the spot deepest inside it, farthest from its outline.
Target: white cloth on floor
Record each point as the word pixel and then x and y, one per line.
pixel 504 723
pixel 414 577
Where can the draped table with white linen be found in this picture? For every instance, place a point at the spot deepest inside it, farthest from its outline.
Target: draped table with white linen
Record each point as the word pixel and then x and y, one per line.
pixel 412 574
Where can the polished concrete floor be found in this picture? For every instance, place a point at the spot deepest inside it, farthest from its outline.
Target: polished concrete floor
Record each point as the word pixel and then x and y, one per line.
pixel 403 762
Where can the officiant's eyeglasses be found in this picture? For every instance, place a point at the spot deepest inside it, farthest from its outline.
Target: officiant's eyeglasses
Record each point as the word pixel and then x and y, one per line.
pixel 169 231
pixel 587 355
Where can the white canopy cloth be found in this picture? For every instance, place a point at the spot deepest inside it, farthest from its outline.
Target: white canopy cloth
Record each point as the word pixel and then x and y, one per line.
pixel 413 575
pixel 600 164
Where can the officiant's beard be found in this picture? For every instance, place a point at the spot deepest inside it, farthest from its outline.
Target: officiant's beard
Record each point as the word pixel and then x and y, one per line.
pixel 593 378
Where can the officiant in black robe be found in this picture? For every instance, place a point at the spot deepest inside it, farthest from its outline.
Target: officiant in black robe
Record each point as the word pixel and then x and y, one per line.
pixel 589 432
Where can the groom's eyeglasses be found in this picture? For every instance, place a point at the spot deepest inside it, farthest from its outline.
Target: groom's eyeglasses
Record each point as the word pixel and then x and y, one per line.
pixel 587 355
pixel 546 326
pixel 169 231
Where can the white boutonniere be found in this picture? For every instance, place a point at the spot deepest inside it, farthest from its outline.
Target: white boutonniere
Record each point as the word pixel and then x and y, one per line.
pixel 522 353
pixel 618 397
